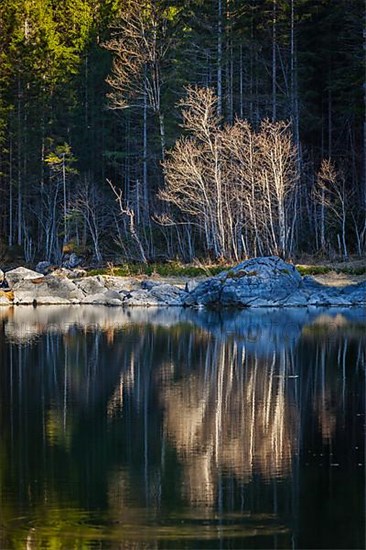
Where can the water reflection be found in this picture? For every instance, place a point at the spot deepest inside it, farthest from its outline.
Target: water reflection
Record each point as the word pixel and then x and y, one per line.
pixel 236 414
pixel 161 426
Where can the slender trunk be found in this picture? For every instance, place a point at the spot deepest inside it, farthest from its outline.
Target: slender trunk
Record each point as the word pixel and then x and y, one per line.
pixel 219 59
pixel 282 226
pixel 294 89
pixel 145 189
pixel 363 179
pixel 330 120
pixel 91 222
pixel 19 167
pixel 241 83
pixel 64 197
pixel 274 60
pixel 162 135
pixel 10 237
pixel 251 68
pixel 322 221
pixel 229 65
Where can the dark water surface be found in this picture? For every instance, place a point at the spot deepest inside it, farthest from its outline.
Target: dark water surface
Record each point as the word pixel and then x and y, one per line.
pixel 182 429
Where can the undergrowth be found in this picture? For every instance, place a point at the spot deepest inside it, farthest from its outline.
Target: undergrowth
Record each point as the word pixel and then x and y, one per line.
pixel 171 269
pixel 176 269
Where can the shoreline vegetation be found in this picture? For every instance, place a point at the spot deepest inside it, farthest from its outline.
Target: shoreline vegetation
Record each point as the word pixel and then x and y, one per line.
pixel 355 268
pixel 328 272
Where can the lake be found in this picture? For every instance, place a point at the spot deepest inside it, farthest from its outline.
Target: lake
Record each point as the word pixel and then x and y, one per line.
pixel 173 428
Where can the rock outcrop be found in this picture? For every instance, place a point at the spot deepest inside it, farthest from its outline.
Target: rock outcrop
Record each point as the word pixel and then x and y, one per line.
pixel 21 274
pixel 46 290
pixel 32 288
pixel 271 282
pixel 259 282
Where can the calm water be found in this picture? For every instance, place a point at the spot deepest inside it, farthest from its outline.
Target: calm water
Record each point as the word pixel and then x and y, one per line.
pixel 182 429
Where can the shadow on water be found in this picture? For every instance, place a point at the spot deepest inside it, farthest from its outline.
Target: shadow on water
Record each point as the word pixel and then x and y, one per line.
pixel 153 428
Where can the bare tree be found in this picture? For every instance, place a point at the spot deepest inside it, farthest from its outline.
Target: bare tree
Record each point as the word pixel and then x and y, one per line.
pixel 128 215
pixel 194 172
pixel 237 184
pixel 92 205
pixel 278 177
pixel 140 43
pixel 331 194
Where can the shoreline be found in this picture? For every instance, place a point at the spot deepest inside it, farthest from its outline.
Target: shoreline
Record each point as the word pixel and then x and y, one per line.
pixel 256 283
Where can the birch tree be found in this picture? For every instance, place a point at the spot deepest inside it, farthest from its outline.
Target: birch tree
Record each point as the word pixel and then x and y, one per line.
pixel 332 195
pixel 140 44
pixel 236 183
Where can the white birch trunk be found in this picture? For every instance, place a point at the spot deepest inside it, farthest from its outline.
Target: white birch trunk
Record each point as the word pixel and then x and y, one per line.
pixel 219 59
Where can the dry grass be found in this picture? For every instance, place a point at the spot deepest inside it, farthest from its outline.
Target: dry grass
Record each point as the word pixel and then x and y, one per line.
pixel 9 294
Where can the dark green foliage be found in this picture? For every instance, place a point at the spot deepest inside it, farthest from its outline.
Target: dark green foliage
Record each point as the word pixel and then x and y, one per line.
pixel 170 269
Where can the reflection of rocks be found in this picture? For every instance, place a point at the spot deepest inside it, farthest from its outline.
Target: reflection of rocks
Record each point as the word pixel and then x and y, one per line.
pixel 25 323
pixel 263 331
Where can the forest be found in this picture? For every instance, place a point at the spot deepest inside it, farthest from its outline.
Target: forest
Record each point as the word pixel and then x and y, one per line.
pixel 153 130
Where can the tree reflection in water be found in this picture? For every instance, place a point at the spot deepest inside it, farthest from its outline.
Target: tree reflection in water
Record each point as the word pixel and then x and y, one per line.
pixel 145 415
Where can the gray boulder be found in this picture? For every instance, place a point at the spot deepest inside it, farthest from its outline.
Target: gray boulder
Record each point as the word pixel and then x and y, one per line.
pixel 191 285
pixel 140 298
pixel 158 295
pixel 149 284
pixel 72 261
pixel 271 282
pixel 43 267
pixel 108 298
pixel 258 282
pixel 168 294
pixel 355 294
pixel 48 290
pixel 91 285
pixel 22 274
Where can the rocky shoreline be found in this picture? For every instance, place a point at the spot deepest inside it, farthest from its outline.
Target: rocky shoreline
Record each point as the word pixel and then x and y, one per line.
pixel 259 282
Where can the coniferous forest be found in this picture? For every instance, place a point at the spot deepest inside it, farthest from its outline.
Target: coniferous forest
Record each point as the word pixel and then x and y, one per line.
pixel 145 130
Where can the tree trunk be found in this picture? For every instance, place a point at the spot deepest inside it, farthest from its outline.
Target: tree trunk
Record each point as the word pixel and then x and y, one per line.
pixel 144 179
pixel 219 59
pixel 274 60
pixel 10 236
pixel 162 135
pixel 363 179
